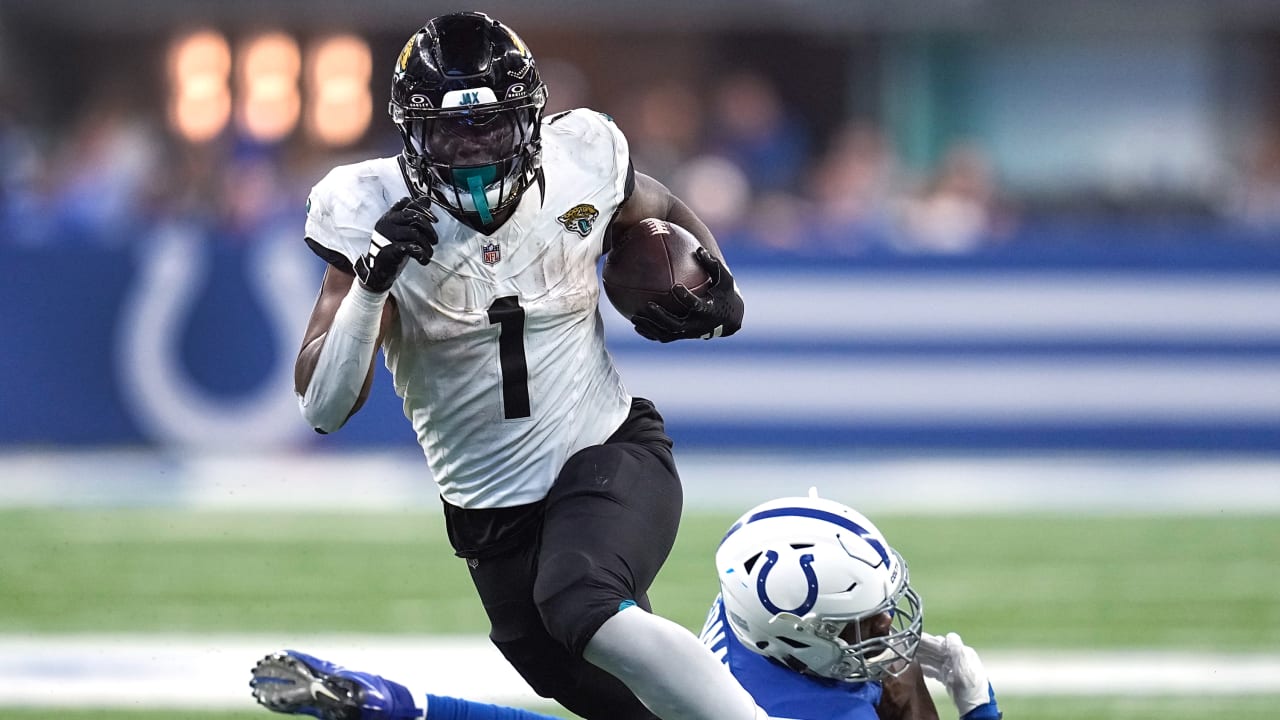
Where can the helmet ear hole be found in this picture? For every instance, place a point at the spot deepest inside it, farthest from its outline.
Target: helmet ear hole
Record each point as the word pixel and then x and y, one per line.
pixel 750 562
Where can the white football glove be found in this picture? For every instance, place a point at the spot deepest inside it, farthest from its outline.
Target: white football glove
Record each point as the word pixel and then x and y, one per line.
pixel 957 666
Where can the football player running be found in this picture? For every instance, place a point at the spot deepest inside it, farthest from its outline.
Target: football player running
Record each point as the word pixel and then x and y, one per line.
pixel 816 618
pixel 470 259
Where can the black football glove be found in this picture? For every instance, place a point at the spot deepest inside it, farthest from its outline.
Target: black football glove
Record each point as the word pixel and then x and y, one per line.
pixel 404 231
pixel 719 314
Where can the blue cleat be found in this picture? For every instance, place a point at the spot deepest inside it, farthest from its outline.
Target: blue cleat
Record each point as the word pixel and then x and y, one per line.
pixel 299 684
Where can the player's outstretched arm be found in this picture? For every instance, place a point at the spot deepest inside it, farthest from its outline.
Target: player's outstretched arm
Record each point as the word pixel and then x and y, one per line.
pixel 351 317
pixel 440 707
pixel 718 311
pixel 957 666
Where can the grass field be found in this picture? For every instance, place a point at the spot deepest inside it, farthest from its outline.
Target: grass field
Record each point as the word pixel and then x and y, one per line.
pixel 1049 581
pixel 1194 583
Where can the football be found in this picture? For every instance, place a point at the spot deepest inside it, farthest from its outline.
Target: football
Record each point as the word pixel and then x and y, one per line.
pixel 646 262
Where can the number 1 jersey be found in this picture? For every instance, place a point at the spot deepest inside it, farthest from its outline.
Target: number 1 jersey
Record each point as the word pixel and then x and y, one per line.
pixel 499 352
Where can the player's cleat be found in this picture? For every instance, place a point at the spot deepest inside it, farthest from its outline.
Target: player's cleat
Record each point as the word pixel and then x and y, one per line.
pixel 299 684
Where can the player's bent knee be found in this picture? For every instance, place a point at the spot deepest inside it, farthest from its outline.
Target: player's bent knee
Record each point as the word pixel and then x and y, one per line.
pixel 575 597
pixel 580 687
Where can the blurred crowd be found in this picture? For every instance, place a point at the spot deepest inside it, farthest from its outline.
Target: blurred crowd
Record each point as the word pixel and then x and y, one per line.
pixel 745 162
pixel 116 174
pixel 753 167
pixel 761 178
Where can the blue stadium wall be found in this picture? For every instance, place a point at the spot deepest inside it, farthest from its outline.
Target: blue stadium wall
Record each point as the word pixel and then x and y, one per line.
pixel 1081 338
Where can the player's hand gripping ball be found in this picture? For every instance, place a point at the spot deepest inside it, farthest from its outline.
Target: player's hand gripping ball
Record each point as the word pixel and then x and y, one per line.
pixel 404 231
pixel 661 278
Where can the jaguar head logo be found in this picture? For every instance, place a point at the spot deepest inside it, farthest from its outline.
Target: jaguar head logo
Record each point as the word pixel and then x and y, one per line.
pixel 580 219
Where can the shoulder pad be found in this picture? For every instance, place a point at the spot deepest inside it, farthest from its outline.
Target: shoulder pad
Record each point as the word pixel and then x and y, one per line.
pixel 343 207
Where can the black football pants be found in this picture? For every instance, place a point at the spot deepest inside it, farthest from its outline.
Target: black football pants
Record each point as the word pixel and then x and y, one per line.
pixel 551 573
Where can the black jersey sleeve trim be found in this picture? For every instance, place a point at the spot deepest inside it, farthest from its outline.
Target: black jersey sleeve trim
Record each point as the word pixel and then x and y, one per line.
pixel 630 185
pixel 333 257
pixel 627 188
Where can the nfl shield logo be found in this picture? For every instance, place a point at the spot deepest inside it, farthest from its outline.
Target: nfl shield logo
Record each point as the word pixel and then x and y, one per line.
pixel 492 253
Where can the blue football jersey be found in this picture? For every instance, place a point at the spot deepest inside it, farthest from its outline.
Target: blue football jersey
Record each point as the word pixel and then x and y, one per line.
pixel 783 693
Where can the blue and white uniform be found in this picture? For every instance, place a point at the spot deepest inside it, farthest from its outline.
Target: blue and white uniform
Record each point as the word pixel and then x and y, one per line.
pixel 783 693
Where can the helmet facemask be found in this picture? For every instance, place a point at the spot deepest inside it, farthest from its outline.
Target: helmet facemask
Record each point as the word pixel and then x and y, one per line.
pixel 474 160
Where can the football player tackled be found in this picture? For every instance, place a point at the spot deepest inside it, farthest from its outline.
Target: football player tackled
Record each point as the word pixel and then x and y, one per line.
pixel 559 488
pixel 816 617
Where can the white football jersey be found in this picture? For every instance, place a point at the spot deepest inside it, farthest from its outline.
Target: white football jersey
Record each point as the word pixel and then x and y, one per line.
pixel 499 354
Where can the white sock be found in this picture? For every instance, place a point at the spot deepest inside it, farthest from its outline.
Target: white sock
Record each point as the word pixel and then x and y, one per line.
pixel 668 669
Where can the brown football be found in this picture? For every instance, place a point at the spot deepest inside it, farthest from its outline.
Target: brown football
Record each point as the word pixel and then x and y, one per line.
pixel 647 261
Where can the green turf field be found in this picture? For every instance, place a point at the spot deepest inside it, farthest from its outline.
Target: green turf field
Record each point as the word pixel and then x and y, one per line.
pixel 1009 582
pixel 1005 582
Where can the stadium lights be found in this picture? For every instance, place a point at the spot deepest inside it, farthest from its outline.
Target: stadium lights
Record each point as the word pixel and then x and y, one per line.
pixel 266 101
pixel 340 105
pixel 200 100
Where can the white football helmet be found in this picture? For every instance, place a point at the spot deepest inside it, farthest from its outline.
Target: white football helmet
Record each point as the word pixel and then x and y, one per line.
pixel 813 584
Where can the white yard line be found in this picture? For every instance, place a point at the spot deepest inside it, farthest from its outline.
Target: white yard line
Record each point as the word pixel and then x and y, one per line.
pixel 212 671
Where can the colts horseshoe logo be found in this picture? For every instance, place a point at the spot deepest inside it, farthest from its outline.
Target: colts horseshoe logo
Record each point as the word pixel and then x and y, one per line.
pixel 167 403
pixel 810 599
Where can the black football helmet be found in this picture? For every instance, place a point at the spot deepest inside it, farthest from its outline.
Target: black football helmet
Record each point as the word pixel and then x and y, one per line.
pixel 467 99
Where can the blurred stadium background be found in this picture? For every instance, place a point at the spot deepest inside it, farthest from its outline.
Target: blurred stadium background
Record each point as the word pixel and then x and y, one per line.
pixel 1013 282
